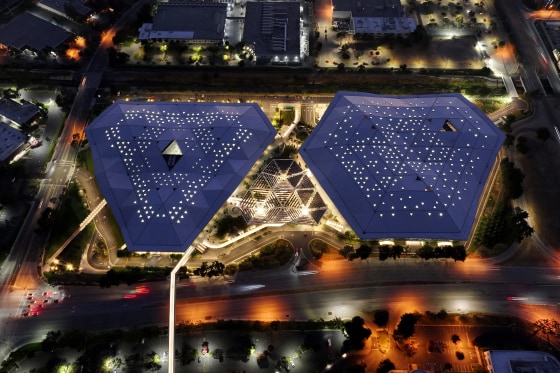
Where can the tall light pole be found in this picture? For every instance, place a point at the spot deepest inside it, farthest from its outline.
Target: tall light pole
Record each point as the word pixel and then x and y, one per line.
pixel 552 10
pixel 171 333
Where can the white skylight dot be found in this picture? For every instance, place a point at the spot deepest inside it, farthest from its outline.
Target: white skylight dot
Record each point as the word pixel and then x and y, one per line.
pixel 417 149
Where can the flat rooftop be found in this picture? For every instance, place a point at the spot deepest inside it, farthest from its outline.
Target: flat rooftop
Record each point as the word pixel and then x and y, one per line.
pixel 28 31
pixel 382 25
pixel 187 21
pixel 61 6
pixel 520 361
pixel 368 8
pixel 16 112
pixel 10 140
pixel 274 28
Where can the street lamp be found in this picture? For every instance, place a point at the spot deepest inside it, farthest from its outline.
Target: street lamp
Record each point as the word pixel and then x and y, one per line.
pixel 552 8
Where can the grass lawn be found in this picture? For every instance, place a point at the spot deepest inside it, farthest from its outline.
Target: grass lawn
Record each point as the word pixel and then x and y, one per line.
pixel 66 220
pixel 270 256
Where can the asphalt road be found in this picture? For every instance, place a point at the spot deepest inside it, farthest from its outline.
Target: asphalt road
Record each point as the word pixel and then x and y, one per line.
pixel 19 270
pixel 541 165
pixel 340 288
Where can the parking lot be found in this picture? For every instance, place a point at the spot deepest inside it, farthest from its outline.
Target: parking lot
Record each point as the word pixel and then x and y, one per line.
pixel 300 350
pixel 441 345
pixel 222 351
pixel 448 347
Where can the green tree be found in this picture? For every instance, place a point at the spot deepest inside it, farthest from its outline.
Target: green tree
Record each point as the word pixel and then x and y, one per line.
pixel 216 269
pixel 547 327
pixel 512 178
pixel 410 348
pixel 405 328
pixel 364 251
pixel 346 251
pixel 229 224
pixel 491 228
pixel 51 341
pixel 124 253
pixel 318 247
pixel 442 314
pixel 359 368
pixel 144 14
pixel 384 252
pixel 121 36
pixel 175 256
pixel 543 133
pixel 396 251
pixel 381 318
pixel 459 253
pixel 151 360
pixel 210 270
pixel 349 237
pixel 385 366
pixel 521 145
pixel 425 252
pixel 510 139
pixel 506 127
pixel 231 269
pixel 202 270
pixel 522 227
pixel 357 334
pixel 485 71
pixel 75 339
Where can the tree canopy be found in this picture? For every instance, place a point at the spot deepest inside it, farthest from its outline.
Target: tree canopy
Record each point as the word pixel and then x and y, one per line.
pixel 346 251
pixel 457 252
pixel 385 366
pixel 405 329
pixel 512 178
pixel 543 133
pixel 386 252
pixel 210 270
pixel 522 227
pixel 381 318
pixel 364 251
pixel 229 224
pixel 357 334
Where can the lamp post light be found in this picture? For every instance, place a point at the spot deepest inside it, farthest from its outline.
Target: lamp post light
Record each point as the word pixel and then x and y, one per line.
pixel 552 8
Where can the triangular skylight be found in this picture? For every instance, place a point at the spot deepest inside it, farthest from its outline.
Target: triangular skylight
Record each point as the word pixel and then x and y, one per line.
pixel 172 154
pixel 282 193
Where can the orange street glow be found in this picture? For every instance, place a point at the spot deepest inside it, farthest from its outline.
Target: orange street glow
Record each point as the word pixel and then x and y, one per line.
pixel 80 42
pixel 73 53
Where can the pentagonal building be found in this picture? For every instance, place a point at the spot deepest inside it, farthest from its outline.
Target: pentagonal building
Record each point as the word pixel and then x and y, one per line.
pixel 165 168
pixel 411 167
